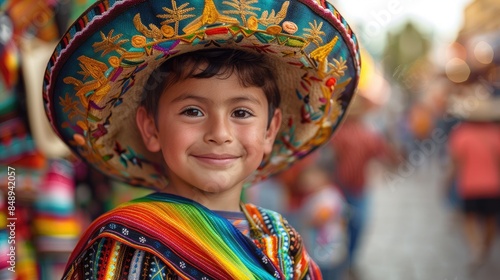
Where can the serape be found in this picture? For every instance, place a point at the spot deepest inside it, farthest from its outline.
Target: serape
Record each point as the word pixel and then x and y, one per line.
pixel 163 236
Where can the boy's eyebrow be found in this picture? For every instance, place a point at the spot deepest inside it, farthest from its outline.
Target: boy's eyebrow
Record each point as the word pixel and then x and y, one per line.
pixel 190 96
pixel 245 98
pixel 207 100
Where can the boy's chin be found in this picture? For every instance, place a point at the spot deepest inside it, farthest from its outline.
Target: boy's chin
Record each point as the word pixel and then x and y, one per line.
pixel 216 188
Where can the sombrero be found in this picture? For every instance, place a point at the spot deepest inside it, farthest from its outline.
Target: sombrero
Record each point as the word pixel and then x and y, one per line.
pixel 94 78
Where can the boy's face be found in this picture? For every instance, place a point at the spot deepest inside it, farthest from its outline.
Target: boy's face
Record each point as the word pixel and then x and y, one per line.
pixel 212 133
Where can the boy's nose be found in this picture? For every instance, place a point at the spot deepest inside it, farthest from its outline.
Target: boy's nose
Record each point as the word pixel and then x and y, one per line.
pixel 219 131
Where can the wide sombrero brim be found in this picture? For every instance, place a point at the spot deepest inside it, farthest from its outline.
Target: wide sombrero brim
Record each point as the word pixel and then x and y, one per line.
pixel 95 77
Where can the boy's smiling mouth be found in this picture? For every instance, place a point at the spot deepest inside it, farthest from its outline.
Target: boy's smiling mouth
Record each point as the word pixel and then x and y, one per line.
pixel 216 159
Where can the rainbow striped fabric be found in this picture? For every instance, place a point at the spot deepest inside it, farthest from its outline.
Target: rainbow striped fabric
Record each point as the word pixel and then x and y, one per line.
pixel 185 239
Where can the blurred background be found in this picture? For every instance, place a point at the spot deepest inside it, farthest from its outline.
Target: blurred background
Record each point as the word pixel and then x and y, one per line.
pixel 408 188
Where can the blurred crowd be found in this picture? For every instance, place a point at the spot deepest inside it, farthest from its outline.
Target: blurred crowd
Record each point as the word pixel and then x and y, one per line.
pixel 408 109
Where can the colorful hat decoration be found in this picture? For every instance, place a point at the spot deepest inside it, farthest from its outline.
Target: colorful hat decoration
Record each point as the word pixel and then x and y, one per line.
pixel 93 81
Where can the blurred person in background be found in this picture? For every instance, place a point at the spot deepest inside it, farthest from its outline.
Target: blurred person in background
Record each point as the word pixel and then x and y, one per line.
pixel 320 218
pixel 474 144
pixel 354 146
pixel 474 147
pixel 308 199
pixel 435 99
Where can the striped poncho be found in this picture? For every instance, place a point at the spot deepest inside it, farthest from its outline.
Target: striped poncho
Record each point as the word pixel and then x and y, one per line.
pixel 163 236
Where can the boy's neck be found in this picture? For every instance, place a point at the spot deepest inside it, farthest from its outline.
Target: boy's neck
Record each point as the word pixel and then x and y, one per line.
pixel 225 201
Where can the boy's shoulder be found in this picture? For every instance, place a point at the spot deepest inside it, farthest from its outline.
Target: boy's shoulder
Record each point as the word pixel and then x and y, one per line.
pixel 268 221
pixel 255 209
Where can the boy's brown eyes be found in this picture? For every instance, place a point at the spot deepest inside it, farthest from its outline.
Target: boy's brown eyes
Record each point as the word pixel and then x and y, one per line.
pixel 192 112
pixel 242 114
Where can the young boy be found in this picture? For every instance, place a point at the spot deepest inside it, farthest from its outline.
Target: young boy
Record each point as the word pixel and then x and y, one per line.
pixel 196 100
pixel 213 116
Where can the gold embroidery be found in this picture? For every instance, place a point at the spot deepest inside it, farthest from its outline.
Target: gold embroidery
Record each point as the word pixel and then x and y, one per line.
pixel 243 8
pixel 99 85
pixel 315 33
pixel 82 125
pixel 109 43
pixel 267 19
pixel 175 15
pixel 138 41
pixel 210 15
pixel 252 23
pixel 321 53
pixel 70 106
pixel 273 29
pixel 114 61
pixel 338 67
pixel 152 32
pixel 168 31
pixel 132 55
pixel 333 110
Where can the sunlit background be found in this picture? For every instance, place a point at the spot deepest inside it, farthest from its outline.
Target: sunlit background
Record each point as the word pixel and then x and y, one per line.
pixel 427 65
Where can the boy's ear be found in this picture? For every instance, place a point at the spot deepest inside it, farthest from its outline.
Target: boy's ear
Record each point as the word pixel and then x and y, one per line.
pixel 272 131
pixel 147 126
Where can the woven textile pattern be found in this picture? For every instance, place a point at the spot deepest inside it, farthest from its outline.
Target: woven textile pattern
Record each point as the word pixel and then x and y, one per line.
pixel 184 238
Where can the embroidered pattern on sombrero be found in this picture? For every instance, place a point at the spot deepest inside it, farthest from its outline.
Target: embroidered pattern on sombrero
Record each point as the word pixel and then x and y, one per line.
pixel 94 80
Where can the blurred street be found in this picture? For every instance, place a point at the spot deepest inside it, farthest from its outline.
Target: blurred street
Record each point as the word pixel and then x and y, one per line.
pixel 414 234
